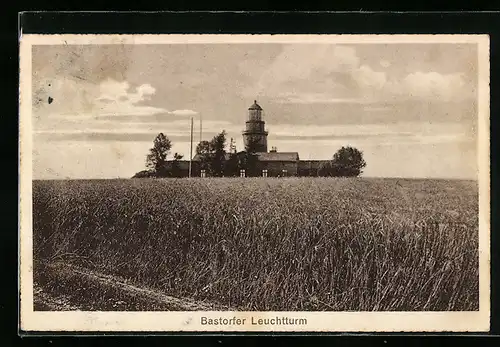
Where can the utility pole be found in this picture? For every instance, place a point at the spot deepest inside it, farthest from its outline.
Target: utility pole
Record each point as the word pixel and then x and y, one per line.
pixel 191 150
pixel 201 127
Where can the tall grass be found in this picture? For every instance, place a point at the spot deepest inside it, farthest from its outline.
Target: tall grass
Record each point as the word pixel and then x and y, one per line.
pixel 272 244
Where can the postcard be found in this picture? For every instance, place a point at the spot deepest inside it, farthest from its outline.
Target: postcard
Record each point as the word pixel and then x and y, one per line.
pixel 254 183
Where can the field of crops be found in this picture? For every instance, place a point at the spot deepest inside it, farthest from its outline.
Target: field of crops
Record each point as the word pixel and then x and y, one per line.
pixel 270 244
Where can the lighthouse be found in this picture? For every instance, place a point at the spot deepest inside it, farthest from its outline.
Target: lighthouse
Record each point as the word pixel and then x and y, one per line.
pixel 255 135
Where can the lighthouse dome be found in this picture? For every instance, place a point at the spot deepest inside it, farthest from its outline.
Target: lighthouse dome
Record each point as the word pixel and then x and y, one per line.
pixel 255 106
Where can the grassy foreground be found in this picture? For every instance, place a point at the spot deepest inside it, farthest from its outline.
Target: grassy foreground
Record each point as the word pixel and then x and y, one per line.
pixel 271 244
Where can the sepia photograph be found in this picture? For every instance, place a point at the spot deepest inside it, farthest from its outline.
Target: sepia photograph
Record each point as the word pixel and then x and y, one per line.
pixel 254 183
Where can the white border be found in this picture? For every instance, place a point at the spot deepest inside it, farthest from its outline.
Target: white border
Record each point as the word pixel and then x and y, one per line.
pixel 190 321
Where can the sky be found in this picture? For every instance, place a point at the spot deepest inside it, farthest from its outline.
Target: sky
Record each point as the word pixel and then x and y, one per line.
pixel 410 108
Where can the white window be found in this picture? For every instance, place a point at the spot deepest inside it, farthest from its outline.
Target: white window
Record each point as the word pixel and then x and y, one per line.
pixel 264 173
pixel 284 172
pixel 242 173
pixel 203 173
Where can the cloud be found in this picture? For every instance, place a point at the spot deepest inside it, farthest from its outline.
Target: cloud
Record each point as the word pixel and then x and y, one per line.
pixel 377 139
pixel 365 76
pixel 75 97
pixel 117 99
pixel 432 85
pixel 69 95
pixel 367 134
pixel 183 112
pixel 108 136
pixel 118 130
pixel 316 98
pixel 385 63
pixel 298 63
pixel 323 74
pixel 369 130
pixel 113 90
pixel 339 137
pixel 108 129
pixel 85 105
pixel 376 108
pixel 146 90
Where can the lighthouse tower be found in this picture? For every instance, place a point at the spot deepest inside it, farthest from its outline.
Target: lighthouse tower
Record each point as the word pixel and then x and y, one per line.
pixel 255 135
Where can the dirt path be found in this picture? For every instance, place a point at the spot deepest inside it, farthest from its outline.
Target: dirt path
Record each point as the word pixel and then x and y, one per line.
pixel 46 302
pixel 64 287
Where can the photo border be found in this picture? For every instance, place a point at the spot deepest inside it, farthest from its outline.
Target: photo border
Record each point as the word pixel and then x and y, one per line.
pixel 155 321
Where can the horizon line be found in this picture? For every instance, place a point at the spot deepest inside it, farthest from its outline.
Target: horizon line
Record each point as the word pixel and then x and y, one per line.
pixel 358 177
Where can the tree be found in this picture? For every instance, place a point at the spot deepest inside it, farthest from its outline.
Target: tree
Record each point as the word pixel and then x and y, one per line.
pixel 253 142
pixel 176 171
pixel 144 174
pixel 218 149
pixel 156 160
pixel 203 148
pixel 204 153
pixel 326 169
pixel 347 162
pixel 232 167
pixel 249 160
pixel 212 154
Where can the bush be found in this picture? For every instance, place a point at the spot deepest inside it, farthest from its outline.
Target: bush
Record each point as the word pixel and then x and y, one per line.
pixel 347 162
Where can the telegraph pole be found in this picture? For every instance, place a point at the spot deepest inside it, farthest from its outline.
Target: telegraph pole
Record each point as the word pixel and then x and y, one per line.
pixel 191 150
pixel 200 127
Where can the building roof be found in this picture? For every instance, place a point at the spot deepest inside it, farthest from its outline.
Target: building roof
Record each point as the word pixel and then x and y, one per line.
pixel 264 156
pixel 255 106
pixel 278 156
pixel 311 164
pixel 197 157
pixel 182 164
